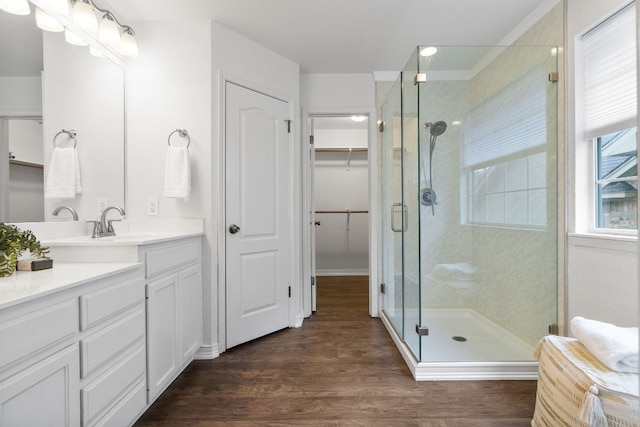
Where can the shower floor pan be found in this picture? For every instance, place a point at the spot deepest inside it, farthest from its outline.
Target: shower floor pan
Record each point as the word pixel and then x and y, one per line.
pixel 464 345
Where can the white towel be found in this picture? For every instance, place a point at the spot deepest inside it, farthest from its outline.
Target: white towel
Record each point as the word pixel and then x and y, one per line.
pixel 616 347
pixel 177 180
pixel 63 178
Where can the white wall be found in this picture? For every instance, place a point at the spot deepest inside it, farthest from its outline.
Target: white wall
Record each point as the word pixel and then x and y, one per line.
pixel 602 277
pixel 20 96
pixel 169 87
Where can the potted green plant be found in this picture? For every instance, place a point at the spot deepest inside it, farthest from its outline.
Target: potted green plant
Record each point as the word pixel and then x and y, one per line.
pixel 13 242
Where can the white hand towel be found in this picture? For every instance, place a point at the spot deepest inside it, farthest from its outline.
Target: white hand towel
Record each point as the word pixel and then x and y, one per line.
pixel 616 347
pixel 177 180
pixel 63 178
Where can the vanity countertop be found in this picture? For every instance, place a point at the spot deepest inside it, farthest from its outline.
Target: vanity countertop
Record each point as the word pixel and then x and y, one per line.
pixel 23 286
pixel 134 239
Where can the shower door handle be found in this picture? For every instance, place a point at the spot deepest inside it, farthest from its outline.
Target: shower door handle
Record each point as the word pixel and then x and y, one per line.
pixel 394 210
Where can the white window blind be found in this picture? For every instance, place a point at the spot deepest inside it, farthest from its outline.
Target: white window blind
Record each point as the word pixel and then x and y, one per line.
pixel 610 75
pixel 511 121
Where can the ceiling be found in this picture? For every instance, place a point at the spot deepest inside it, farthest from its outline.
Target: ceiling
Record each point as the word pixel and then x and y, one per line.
pixel 346 36
pixel 323 36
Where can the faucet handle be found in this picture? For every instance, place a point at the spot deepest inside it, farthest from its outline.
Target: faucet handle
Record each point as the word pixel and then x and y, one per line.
pixel 110 225
pixel 97 229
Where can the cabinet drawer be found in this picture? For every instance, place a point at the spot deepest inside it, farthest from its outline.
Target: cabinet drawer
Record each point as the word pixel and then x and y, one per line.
pixel 102 346
pixel 128 409
pixel 36 330
pixel 99 305
pixel 112 386
pixel 171 257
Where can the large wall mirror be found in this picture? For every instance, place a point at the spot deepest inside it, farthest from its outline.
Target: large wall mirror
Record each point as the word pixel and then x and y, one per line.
pixel 46 86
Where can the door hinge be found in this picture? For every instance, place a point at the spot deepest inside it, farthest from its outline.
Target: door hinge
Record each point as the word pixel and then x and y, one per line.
pixel 380 126
pixel 419 78
pixel 422 330
pixel 554 329
pixel 289 291
pixel 311 139
pixel 288 125
pixel 554 77
pixel 313 281
pixel 382 288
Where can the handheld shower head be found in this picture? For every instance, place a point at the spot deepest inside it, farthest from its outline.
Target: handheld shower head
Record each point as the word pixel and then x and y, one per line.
pixel 437 128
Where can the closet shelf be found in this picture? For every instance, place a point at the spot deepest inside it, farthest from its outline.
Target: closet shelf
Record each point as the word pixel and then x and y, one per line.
pixel 345 211
pixel 342 150
pixel 26 164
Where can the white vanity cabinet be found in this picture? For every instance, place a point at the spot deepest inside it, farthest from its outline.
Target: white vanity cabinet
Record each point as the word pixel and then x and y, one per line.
pixel 174 309
pixel 39 364
pixel 112 352
pixel 72 352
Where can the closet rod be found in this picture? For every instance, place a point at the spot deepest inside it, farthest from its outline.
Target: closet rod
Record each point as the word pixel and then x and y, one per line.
pixel 340 150
pixel 345 212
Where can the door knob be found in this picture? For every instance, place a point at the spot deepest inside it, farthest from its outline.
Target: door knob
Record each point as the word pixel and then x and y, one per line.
pixel 317 222
pixel 233 229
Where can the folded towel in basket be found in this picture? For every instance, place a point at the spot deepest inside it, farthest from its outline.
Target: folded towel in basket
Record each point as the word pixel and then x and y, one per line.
pixel 616 347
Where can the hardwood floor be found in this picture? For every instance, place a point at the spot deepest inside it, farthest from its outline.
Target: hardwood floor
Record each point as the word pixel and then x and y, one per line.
pixel 339 369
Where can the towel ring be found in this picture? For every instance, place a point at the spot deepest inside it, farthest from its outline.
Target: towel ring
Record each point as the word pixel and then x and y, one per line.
pixel 72 134
pixel 183 133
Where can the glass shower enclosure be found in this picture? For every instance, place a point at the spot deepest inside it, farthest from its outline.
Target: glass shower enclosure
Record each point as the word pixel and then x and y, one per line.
pixel 469 167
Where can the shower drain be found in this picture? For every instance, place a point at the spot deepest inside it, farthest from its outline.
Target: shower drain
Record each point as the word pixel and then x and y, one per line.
pixel 459 339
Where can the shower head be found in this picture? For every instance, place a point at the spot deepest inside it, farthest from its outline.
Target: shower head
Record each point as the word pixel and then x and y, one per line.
pixel 437 128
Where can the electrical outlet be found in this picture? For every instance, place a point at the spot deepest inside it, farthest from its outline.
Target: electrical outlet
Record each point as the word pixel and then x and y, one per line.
pixel 102 205
pixel 152 206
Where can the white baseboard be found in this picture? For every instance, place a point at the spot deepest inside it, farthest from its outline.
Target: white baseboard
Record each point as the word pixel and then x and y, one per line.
pixel 207 352
pixel 350 272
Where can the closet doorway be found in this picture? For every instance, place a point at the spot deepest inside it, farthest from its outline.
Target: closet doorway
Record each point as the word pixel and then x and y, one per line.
pixel 340 199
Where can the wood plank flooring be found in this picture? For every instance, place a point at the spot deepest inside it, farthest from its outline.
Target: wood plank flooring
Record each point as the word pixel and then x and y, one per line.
pixel 339 369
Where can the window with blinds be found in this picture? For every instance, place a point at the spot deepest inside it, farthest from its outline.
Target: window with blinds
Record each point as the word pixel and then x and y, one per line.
pixel 504 157
pixel 610 118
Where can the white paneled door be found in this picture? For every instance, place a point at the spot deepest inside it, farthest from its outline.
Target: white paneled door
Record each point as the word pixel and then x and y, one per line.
pixel 258 214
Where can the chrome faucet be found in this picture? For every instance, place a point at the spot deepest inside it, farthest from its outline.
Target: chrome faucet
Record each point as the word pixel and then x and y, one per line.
pixel 59 209
pixel 104 228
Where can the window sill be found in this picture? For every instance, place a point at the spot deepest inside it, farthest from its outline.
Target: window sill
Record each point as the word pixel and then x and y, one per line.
pixel 604 241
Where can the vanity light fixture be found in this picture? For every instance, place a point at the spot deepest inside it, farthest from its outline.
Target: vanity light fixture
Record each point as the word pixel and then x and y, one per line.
pixel 16 7
pixel 84 17
pixel 128 45
pixel 45 22
pixel 109 31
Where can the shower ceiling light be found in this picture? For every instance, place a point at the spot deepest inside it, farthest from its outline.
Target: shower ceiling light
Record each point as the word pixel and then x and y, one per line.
pixel 428 51
pixel 45 22
pixel 16 7
pixel 358 118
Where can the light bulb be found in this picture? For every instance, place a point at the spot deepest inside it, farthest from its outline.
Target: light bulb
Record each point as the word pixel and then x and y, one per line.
pixel 16 7
pixel 73 39
pixel 128 45
pixel 109 32
pixel 84 17
pixel 46 22
pixel 429 51
pixel 60 7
